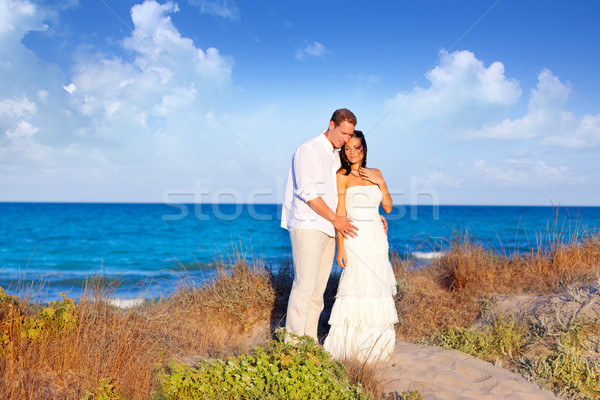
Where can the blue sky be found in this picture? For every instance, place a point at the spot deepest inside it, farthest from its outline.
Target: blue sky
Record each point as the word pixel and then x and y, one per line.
pixel 463 102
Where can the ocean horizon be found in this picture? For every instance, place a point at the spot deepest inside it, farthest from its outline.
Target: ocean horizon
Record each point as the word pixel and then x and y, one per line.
pixel 151 247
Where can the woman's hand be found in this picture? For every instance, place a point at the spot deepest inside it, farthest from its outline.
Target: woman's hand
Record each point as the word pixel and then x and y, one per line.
pixel 385 224
pixel 341 257
pixel 374 176
pixel 371 175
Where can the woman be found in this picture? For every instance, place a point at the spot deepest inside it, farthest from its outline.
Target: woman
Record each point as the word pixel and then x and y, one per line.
pixel 363 315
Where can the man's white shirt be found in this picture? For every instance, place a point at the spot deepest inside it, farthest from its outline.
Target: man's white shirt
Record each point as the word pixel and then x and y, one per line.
pixel 312 174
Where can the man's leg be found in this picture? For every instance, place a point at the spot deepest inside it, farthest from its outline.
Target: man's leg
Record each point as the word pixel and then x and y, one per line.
pixel 316 301
pixel 307 249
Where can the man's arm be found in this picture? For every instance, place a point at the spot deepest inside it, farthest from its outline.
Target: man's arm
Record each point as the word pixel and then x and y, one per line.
pixel 340 223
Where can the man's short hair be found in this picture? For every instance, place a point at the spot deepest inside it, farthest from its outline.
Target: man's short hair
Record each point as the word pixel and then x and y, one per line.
pixel 341 115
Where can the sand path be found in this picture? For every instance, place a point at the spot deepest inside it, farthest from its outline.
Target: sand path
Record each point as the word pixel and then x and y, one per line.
pixel 451 375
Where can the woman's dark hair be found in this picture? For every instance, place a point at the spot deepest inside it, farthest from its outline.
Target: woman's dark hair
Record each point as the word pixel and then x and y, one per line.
pixel 345 168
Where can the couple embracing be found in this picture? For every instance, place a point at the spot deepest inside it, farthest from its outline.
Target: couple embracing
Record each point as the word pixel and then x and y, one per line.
pixel 332 196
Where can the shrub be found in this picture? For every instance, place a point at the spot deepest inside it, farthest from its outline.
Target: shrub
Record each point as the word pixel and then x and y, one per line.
pixel 58 316
pixel 566 369
pixel 412 395
pixel 104 391
pixel 278 371
pixel 505 337
pixel 19 321
pixel 11 318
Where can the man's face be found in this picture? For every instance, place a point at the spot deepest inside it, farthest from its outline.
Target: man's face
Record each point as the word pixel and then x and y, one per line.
pixel 339 135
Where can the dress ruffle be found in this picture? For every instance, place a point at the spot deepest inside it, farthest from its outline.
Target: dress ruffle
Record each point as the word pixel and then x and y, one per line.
pixel 371 344
pixel 363 312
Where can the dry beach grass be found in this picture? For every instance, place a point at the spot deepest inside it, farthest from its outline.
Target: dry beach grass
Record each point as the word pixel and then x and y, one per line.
pixel 490 305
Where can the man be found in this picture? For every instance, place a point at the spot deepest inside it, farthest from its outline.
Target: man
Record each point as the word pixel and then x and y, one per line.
pixel 309 205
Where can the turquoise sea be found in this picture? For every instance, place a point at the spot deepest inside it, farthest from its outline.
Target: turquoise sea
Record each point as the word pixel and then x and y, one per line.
pixel 154 246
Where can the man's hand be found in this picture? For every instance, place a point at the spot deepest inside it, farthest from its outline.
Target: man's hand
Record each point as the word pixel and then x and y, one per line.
pixel 340 223
pixel 344 226
pixel 385 224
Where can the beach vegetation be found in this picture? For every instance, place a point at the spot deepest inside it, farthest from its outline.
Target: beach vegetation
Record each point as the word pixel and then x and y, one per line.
pixel 567 371
pixel 90 349
pixel 276 371
pixel 20 321
pixel 534 312
pixel 569 362
pixel 505 337
pixel 57 316
pixel 229 314
pixel 104 391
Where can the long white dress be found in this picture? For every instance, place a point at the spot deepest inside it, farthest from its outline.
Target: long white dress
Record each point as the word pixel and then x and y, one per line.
pixel 363 315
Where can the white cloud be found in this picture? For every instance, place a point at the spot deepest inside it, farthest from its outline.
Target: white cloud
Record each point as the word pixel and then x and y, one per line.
pixel 17 18
pixel 23 130
pixel 585 136
pixel 315 49
pixel 441 179
pixel 164 79
pixel 546 113
pixel 160 48
pixel 221 8
pixel 547 119
pixel 153 106
pixel 461 71
pixel 133 121
pixel 551 95
pixel 30 89
pixel 511 173
pixel 462 92
pixel 522 172
pixel 17 107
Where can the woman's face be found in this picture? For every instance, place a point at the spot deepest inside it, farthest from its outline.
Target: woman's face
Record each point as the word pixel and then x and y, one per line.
pixel 354 150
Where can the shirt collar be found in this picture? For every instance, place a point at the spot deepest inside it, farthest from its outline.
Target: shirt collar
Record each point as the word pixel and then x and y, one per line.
pixel 327 143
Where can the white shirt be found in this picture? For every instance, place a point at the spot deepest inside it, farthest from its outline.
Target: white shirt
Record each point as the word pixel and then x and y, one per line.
pixel 312 174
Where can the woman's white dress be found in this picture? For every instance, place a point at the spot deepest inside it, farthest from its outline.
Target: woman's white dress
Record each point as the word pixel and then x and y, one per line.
pixel 363 315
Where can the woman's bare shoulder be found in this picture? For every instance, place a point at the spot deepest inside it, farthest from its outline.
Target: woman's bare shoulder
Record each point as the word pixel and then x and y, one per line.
pixel 341 181
pixel 378 172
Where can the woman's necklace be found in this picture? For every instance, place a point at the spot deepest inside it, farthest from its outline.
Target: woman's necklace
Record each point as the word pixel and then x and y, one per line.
pixel 356 173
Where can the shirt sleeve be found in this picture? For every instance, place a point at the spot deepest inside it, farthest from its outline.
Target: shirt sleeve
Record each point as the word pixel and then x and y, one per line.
pixel 307 173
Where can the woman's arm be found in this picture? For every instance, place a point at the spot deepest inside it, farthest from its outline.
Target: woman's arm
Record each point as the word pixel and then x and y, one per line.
pixel 341 181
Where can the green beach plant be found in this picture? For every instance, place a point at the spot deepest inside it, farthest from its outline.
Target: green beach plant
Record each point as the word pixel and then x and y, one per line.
pixel 566 370
pixel 277 371
pixel 56 317
pixel 567 366
pixel 505 337
pixel 104 391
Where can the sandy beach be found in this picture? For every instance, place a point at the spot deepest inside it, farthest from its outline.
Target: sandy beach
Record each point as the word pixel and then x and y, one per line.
pixel 440 374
